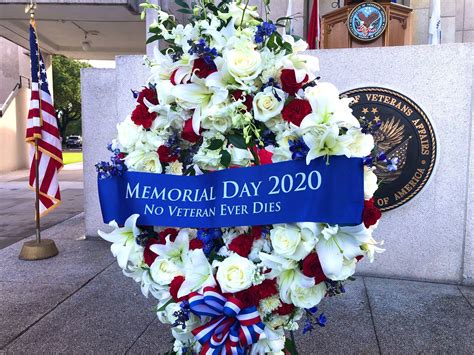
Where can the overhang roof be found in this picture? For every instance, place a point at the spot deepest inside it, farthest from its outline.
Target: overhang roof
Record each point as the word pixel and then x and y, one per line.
pixel 61 27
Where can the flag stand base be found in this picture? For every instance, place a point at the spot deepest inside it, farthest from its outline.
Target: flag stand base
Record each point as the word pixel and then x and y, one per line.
pixel 32 250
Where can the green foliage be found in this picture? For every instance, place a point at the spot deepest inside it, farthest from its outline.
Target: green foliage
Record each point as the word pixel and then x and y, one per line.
pixel 67 93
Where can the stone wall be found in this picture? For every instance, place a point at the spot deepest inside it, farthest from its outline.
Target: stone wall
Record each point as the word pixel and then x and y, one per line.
pixel 430 238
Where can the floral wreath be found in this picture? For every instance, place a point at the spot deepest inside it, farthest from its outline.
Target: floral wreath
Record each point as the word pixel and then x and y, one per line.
pixel 231 91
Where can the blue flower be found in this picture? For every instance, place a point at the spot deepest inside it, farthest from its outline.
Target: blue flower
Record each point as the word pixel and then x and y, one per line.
pixel 266 29
pixel 322 320
pixel 298 148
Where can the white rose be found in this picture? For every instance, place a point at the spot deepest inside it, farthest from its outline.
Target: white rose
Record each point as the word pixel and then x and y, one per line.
pixel 289 241
pixel 370 183
pixel 268 103
pixel 243 64
pixel 140 160
pixel 307 297
pixel 163 271
pixel 241 157
pixel 359 144
pixel 207 159
pixel 235 273
pixel 285 239
pixel 174 168
pixel 128 134
pixel 218 123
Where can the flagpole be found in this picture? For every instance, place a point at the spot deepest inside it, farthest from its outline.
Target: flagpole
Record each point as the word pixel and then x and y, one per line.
pixel 37 249
pixel 37 196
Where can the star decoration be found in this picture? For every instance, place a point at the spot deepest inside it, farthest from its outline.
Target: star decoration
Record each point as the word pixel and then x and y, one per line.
pixel 374 110
pixel 377 118
pixel 365 110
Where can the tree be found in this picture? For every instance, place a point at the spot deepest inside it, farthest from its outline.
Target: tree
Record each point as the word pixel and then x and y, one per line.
pixel 67 93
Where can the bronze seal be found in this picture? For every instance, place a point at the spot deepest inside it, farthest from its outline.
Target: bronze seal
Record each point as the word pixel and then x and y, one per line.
pixel 405 133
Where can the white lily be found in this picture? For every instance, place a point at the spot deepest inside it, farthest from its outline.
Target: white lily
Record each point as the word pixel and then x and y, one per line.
pixel 200 95
pixel 328 108
pixel 174 251
pixel 367 243
pixel 198 273
pixel 337 251
pixel 124 246
pixel 323 140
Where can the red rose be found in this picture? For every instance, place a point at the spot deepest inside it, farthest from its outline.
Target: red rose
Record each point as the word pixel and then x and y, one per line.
pixel 295 111
pixel 264 156
pixel 253 295
pixel 203 69
pixel 149 94
pixel 188 132
pixel 371 213
pixel 242 245
pixel 196 244
pixel 165 155
pixel 285 309
pixel 312 268
pixel 239 94
pixel 289 83
pixel 148 255
pixel 175 286
pixel 141 116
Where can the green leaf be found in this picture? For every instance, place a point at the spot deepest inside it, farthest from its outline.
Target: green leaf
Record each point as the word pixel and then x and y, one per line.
pixel 215 144
pixel 185 11
pixel 225 158
pixel 237 141
pixel 153 39
pixel 290 346
pixel 182 3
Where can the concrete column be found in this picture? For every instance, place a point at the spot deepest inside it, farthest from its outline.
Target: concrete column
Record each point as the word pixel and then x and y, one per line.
pixel 150 18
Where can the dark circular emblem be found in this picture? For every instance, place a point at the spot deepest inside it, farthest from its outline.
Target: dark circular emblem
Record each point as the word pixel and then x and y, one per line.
pixel 405 133
pixel 367 21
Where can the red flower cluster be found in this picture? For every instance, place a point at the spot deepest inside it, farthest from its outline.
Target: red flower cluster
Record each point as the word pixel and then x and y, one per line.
pixel 141 116
pixel 289 83
pixel 285 308
pixel 253 295
pixel 196 244
pixel 242 245
pixel 165 155
pixel 371 213
pixel 312 268
pixel 295 111
pixel 149 95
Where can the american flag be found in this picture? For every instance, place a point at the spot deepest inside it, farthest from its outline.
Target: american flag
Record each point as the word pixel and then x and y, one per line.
pixel 42 124
pixel 314 28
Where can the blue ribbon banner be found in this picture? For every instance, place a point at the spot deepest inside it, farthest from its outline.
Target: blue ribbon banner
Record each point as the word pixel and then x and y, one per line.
pixel 285 192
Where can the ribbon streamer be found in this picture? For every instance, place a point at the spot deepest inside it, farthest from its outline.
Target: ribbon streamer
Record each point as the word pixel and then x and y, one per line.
pixel 231 329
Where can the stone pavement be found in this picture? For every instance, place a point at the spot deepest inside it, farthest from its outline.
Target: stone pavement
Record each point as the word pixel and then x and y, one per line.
pixel 79 302
pixel 17 206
